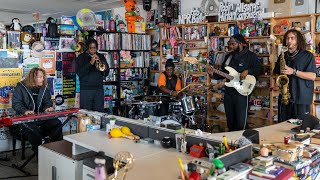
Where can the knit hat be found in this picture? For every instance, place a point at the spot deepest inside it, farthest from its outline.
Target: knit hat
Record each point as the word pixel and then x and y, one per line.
pixel 169 63
pixel 238 38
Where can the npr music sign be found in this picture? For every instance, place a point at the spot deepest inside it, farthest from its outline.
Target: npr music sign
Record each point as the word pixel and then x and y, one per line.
pixel 241 11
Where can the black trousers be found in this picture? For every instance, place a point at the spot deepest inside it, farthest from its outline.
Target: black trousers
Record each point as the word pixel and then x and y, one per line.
pixel 291 111
pixel 92 99
pixel 36 132
pixel 236 107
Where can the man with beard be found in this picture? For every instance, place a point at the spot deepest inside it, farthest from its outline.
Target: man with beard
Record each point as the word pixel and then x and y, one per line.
pixel 301 70
pixel 244 62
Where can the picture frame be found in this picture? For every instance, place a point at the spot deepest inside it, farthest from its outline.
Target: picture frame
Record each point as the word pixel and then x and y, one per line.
pixel 66 44
pixel 67 29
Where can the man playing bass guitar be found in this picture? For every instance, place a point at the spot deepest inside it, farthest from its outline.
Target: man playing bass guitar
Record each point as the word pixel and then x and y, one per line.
pixel 241 60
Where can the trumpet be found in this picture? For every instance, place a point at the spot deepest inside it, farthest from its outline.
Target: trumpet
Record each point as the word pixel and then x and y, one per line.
pixel 99 65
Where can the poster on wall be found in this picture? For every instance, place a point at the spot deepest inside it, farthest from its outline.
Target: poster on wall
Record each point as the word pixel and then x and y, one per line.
pixel 68 62
pixel 9 77
pixel 48 62
pixel 69 90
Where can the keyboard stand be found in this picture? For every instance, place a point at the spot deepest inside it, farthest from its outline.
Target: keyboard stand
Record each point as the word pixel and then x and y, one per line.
pixel 20 168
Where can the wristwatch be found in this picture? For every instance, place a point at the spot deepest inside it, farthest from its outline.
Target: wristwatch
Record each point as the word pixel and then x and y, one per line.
pixel 294 72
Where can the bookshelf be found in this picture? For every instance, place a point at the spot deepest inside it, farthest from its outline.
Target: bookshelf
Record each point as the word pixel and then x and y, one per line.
pixel 128 57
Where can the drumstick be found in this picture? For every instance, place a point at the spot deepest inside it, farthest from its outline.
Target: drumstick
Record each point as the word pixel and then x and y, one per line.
pixel 184 88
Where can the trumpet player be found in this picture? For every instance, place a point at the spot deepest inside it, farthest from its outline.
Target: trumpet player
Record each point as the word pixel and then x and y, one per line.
pixel 301 69
pixel 92 67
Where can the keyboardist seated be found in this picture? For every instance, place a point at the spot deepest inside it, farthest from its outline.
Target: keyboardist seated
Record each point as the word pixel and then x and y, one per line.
pixel 32 96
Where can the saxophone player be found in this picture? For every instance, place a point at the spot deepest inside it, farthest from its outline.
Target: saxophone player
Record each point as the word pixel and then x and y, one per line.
pixel 300 68
pixel 92 68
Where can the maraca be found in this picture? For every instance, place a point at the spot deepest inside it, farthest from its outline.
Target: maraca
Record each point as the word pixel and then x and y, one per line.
pixel 116 133
pixel 125 130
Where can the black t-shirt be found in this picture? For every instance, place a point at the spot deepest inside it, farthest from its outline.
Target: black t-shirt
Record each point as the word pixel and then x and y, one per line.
pixel 301 90
pixel 243 60
pixel 35 94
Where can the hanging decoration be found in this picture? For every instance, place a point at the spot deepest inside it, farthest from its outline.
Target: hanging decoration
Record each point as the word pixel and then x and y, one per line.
pixel 86 19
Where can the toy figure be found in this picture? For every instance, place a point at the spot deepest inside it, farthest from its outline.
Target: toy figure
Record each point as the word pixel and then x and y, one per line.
pixel 15 25
pixel 52 27
pixel 26 37
pixel 121 26
pixel 131 17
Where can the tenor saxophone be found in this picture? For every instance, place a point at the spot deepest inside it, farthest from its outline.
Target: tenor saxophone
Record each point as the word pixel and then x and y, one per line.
pixel 283 80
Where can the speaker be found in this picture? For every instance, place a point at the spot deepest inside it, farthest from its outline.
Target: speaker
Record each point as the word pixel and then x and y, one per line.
pixel 252 135
pixel 147 5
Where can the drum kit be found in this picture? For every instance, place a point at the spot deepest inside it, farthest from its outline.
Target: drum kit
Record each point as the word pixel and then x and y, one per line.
pixel 181 109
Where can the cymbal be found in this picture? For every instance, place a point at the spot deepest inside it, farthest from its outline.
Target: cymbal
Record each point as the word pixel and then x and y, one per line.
pixel 143 103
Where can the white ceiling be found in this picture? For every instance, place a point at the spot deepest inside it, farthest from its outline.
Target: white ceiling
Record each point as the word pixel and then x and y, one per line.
pixel 23 9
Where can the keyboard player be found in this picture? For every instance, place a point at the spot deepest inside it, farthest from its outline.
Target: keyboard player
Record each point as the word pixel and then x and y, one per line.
pixel 32 96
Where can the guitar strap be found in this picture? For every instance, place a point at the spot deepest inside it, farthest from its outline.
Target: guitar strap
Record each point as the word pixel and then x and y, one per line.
pixel 228 60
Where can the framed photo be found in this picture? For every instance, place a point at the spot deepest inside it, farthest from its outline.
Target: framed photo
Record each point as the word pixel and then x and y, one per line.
pixel 66 44
pixel 66 29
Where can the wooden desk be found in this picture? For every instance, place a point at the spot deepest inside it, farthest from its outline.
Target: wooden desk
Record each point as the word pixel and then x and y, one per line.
pixel 154 162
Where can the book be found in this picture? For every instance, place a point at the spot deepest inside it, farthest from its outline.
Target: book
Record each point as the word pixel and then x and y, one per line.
pixel 271 173
pixel 285 175
pixel 315 139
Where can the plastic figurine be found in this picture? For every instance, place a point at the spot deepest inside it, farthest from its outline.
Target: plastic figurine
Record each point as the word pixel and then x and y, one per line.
pixel 131 17
pixel 15 25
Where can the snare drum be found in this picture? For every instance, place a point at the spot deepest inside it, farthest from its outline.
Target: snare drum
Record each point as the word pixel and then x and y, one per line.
pixel 175 107
pixel 188 104
pixel 287 152
pixel 299 146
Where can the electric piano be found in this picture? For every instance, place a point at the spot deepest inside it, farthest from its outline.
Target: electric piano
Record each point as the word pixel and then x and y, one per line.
pixel 8 121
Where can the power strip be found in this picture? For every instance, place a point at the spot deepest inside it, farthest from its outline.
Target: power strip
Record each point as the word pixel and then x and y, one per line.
pixel 202 163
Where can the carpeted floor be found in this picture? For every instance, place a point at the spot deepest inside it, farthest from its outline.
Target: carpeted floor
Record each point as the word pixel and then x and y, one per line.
pixel 7 172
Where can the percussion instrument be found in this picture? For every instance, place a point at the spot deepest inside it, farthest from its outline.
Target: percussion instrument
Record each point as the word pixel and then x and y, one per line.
pixel 299 146
pixel 175 107
pixel 287 152
pixel 188 104
pixel 147 108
